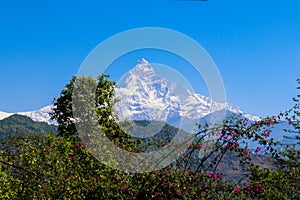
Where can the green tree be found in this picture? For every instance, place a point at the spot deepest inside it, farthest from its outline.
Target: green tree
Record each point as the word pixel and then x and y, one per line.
pixel 283 182
pixel 62 110
pixel 289 161
pixel 92 100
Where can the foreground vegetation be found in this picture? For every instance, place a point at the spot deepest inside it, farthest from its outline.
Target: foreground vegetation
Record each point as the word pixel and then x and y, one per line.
pixel 52 166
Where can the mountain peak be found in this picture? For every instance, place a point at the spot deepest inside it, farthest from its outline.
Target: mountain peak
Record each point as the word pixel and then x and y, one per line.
pixel 143 61
pixel 143 69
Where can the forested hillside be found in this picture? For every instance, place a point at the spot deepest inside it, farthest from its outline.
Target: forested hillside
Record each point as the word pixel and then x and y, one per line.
pixel 17 125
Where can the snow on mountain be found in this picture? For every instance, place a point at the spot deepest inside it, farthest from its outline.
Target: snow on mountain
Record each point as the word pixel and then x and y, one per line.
pixel 145 95
pixel 4 115
pixel 41 115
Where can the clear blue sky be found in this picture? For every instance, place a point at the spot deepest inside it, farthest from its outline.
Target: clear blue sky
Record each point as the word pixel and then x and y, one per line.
pixel 255 44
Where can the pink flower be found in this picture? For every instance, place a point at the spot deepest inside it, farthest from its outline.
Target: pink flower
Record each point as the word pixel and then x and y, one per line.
pixel 248 186
pixel 170 184
pixel 290 121
pixel 122 188
pixel 256 188
pixel 210 173
pixel 281 114
pixel 223 138
pixel 258 149
pixel 246 153
pixel 215 176
pixel 266 135
pixel 71 158
pixel 238 190
pixel 179 192
pixel 236 144
pixel 263 186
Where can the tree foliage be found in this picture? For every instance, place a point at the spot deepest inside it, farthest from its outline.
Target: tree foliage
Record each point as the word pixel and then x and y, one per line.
pixel 55 167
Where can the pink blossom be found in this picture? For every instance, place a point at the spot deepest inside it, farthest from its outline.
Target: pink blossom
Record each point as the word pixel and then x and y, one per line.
pixel 122 188
pixel 170 184
pixel 223 138
pixel 215 176
pixel 258 149
pixel 256 188
pixel 248 187
pixel 210 173
pixel 281 114
pixel 263 186
pixel 238 190
pixel 246 153
pixel 179 192
pixel 266 135
pixel 236 145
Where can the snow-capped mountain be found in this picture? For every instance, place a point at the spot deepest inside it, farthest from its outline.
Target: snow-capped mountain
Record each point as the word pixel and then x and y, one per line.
pixel 144 95
pixel 41 115
pixel 4 115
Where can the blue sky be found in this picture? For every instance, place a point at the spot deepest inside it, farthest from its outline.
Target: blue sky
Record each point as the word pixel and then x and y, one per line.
pixel 255 44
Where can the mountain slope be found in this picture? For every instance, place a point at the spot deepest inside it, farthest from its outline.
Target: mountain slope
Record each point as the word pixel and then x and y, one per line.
pixel 4 115
pixel 16 125
pixel 41 115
